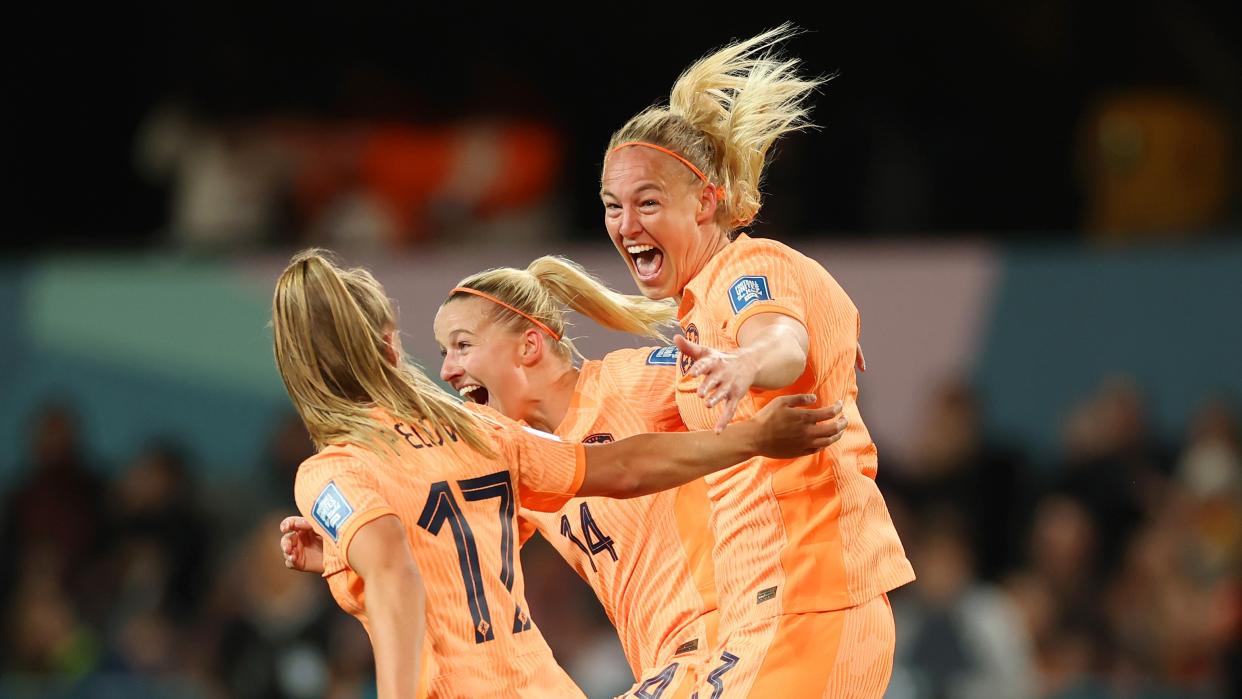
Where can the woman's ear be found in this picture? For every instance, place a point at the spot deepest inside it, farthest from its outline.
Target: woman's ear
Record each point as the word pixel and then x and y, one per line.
pixel 390 347
pixel 533 347
pixel 708 203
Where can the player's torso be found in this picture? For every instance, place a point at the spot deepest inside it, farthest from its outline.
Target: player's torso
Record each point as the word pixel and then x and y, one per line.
pixel 648 559
pixel 459 509
pixel 787 531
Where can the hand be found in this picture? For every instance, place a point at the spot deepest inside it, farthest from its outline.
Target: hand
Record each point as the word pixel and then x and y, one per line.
pixel 301 546
pixel 723 376
pixel 787 429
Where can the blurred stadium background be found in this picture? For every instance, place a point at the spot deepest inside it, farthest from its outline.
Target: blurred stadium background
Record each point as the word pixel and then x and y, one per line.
pixel 1036 207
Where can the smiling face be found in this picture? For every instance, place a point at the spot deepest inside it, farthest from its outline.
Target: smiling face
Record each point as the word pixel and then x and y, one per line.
pixel 482 358
pixel 660 219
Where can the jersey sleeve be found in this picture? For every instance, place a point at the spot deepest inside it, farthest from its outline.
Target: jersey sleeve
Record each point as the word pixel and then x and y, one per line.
pixel 338 494
pixel 549 471
pixel 772 278
pixel 767 278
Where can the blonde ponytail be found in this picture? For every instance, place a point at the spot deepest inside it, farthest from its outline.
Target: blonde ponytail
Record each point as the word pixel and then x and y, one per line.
pixel 330 326
pixel 724 113
pixel 550 286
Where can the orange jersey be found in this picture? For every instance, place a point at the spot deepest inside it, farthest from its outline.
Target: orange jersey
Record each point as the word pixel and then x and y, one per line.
pixel 798 535
pixel 460 515
pixel 648 559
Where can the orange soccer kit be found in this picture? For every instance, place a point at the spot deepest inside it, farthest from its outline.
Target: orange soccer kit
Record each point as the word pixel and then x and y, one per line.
pixel 648 559
pixel 805 549
pixel 459 509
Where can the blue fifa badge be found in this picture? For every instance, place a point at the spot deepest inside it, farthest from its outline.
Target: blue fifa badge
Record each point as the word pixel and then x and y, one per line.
pixel 663 356
pixel 747 290
pixel 332 510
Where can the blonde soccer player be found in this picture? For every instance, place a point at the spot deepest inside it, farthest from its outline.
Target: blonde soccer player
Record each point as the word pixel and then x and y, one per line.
pixel 804 548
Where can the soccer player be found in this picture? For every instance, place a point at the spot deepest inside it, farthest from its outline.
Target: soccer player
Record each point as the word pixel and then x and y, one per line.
pixel 805 550
pixel 415 496
pixel 648 559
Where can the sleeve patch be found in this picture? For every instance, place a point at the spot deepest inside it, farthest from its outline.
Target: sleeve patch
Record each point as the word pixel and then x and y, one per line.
pixel 332 510
pixel 663 356
pixel 747 290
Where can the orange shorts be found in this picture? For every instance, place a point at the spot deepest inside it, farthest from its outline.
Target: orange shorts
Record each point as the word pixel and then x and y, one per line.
pixel 677 679
pixel 842 654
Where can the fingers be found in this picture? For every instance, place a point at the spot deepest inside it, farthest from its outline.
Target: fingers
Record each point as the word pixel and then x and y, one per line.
pixel 295 522
pixel 727 414
pixel 691 349
pixel 822 414
pixel 708 385
pixel 832 428
pixel 794 400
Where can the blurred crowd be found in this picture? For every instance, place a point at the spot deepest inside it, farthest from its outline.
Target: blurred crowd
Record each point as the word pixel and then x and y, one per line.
pixel 1114 572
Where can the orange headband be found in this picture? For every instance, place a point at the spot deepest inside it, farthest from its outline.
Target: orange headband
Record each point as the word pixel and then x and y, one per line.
pixel 484 295
pixel 720 191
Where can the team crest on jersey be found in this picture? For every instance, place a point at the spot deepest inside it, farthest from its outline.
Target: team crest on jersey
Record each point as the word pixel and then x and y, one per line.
pixel 598 438
pixel 663 356
pixel 692 334
pixel 332 510
pixel 747 290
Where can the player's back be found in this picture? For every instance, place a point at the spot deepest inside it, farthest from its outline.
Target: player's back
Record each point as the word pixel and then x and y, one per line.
pixel 798 535
pixel 648 559
pixel 459 511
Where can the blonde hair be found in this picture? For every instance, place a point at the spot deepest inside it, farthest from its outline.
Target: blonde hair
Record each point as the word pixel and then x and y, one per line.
pixel 724 113
pixel 550 286
pixel 329 327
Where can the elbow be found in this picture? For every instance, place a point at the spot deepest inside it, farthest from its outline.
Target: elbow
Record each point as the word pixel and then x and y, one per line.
pixel 626 482
pixel 629 484
pixel 788 369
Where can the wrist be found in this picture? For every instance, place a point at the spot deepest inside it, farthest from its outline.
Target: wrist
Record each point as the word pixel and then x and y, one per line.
pixel 747 436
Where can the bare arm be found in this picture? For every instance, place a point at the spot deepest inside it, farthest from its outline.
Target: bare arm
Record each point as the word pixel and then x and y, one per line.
pixel 649 463
pixel 772 353
pixel 396 603
pixel 777 346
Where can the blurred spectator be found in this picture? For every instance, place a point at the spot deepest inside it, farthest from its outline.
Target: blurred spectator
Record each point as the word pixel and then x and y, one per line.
pixel 53 518
pixel 46 637
pixel 287 448
pixel 960 470
pixel 226 177
pixel 1113 464
pixel 348 184
pixel 157 534
pixel 956 636
pixel 275 623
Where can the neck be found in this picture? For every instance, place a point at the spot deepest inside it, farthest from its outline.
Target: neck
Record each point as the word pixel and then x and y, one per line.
pixel 547 410
pixel 718 242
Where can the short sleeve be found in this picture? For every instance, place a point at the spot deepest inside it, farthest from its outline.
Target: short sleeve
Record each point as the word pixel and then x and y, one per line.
pixel 337 492
pixel 549 471
pixel 767 278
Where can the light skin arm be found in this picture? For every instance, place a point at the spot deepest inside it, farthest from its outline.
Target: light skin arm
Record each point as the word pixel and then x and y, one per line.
pixel 771 354
pixel 649 463
pixel 396 604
